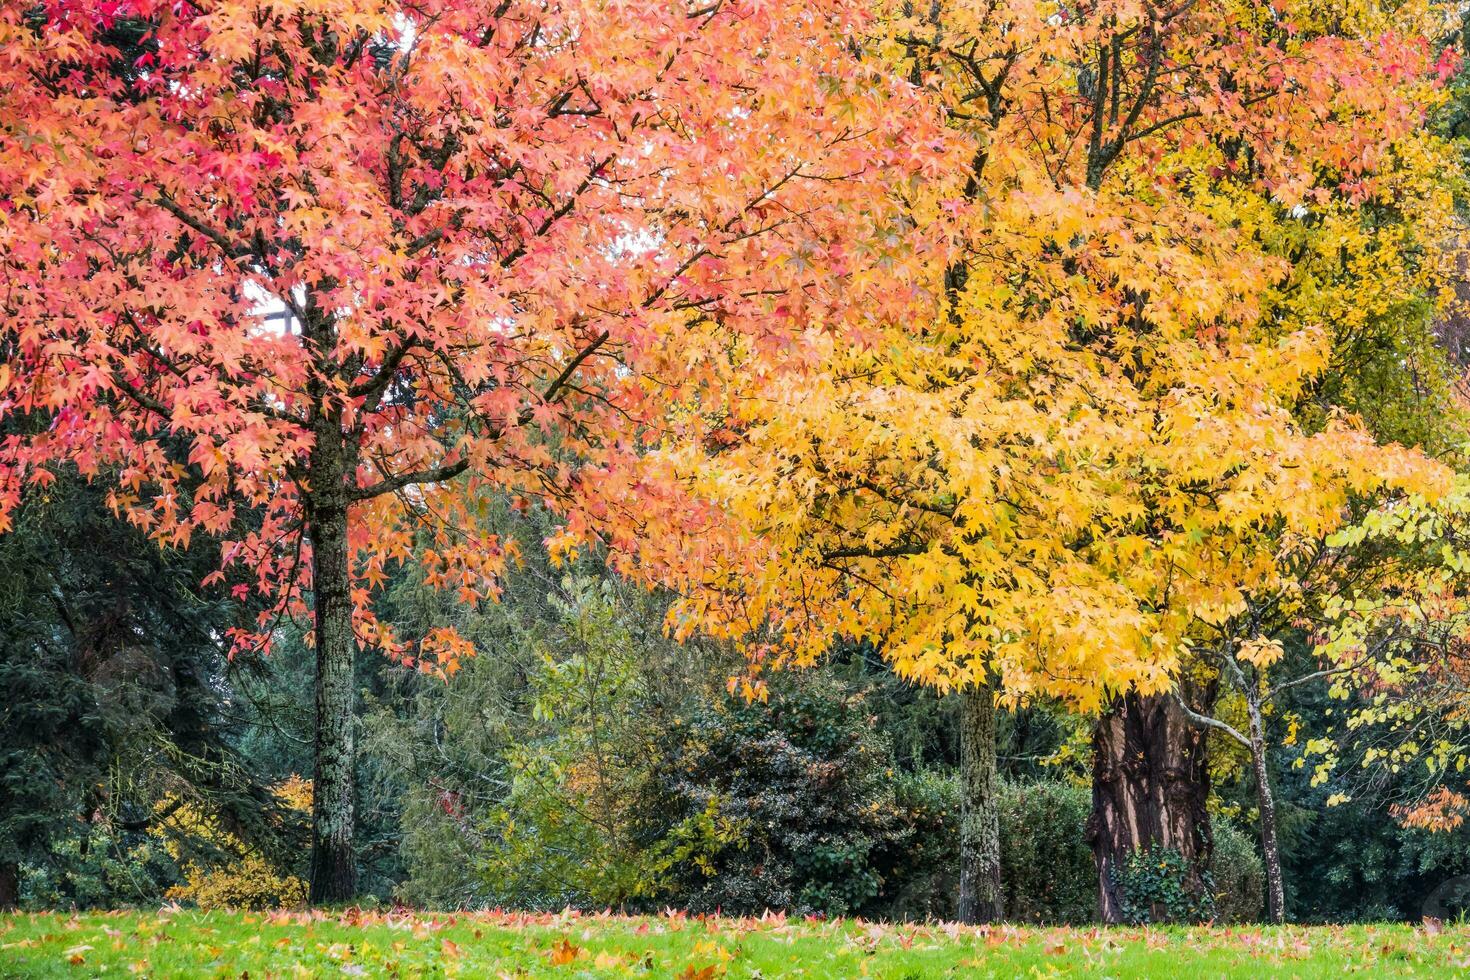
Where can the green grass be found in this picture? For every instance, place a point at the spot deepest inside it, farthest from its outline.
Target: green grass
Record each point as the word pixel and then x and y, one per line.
pixel 175 943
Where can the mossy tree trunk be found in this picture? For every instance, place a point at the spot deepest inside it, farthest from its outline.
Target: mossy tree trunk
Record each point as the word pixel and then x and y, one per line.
pixel 333 861
pixel 980 895
pixel 333 857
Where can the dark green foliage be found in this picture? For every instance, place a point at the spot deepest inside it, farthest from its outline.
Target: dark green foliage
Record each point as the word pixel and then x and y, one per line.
pixel 475 765
pixel 115 699
pixel 1047 869
pixel 1050 875
pixel 921 880
pixel 1153 885
pixel 810 785
pixel 1351 862
pixel 1238 873
pixel 51 751
pixel 1354 862
pixel 99 866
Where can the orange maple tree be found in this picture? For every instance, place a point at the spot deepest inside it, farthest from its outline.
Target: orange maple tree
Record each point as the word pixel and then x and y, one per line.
pixel 506 237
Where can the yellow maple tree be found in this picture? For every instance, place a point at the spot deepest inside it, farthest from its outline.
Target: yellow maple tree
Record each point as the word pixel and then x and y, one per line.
pixel 1084 442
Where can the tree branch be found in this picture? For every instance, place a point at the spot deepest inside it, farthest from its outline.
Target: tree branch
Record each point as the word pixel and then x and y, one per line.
pixel 1205 721
pixel 891 551
pixel 556 386
pixel 436 474
pixel 384 374
pixel 233 250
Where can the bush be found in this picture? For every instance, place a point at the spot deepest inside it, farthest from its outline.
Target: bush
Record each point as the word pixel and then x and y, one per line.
pixel 249 882
pixel 244 878
pixel 1153 889
pixel 1153 886
pixel 1048 874
pixel 921 876
pixel 1238 873
pixel 92 866
pixel 810 787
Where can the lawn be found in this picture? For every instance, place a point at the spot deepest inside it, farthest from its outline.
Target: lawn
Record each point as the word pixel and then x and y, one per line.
pixel 177 943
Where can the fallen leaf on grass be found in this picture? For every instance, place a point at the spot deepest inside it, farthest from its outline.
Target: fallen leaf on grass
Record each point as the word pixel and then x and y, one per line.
pixel 564 953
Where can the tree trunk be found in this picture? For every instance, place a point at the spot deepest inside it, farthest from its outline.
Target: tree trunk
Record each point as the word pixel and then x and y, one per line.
pixel 979 820
pixel 1270 850
pixel 9 886
pixel 333 860
pixel 1150 783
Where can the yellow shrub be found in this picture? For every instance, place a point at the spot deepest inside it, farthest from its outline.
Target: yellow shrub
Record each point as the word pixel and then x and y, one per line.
pixel 246 881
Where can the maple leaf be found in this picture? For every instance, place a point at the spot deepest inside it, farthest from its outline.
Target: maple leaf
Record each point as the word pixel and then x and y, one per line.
pixel 564 952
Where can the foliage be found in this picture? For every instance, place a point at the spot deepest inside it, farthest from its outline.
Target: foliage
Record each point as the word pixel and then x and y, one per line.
pixel 459 220
pixel 1354 862
pixel 1083 441
pixel 275 714
pixel 808 783
pixel 50 751
pixel 249 882
pixel 1152 884
pixel 246 879
pixel 519 774
pixel 116 698
pixel 1238 875
pixel 95 866
pixel 1395 644
pixel 1048 872
pixel 592 762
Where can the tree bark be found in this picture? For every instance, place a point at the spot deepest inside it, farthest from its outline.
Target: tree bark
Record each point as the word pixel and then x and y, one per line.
pixel 980 896
pixel 9 886
pixel 1266 802
pixel 1150 783
pixel 333 860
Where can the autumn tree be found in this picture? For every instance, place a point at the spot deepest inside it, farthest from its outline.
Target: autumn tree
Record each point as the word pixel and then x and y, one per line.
pixel 1396 647
pixel 1386 365
pixel 1083 443
pixel 504 238
pixel 1242 658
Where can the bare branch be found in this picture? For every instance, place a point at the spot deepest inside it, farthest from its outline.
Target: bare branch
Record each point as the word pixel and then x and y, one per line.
pixel 1205 721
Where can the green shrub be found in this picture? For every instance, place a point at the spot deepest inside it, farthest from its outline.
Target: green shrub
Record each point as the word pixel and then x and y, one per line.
pixel 920 875
pixel 809 784
pixel 1238 873
pixel 94 867
pixel 1153 886
pixel 1048 873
